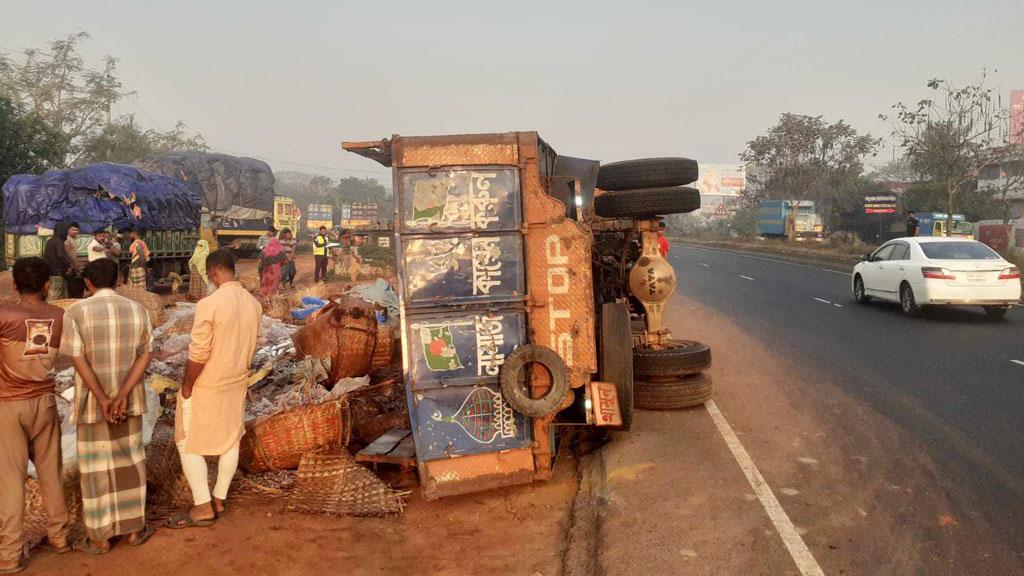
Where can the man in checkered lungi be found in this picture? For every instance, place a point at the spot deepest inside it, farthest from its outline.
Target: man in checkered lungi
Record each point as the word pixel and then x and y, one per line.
pixel 139 253
pixel 109 339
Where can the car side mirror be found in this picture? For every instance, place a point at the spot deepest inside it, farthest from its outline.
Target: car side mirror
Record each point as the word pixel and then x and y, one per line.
pixel 866 258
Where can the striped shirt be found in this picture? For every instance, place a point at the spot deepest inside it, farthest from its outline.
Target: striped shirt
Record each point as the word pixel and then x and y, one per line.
pixel 110 332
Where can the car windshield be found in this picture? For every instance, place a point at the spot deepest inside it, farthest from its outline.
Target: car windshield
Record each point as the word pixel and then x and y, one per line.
pixel 958 251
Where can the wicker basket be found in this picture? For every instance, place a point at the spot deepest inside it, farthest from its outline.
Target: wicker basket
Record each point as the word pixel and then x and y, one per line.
pixel 150 301
pixel 334 483
pixel 278 442
pixel 384 349
pixel 36 520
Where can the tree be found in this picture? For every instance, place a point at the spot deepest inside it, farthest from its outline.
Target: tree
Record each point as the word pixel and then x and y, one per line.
pixel 946 137
pixel 806 158
pixel 57 86
pixel 124 142
pixel 353 189
pixel 27 143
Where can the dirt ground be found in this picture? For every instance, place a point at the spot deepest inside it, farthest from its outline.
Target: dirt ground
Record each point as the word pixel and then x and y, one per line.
pixel 517 530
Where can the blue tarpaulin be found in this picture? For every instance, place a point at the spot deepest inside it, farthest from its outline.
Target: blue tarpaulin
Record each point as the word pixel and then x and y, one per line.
pixel 97 197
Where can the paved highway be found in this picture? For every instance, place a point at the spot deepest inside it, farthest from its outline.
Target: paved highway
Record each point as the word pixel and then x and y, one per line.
pixel 953 380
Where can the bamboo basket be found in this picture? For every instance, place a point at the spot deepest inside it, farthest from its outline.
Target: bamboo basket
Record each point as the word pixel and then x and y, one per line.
pixel 150 301
pixel 334 483
pixel 383 349
pixel 277 442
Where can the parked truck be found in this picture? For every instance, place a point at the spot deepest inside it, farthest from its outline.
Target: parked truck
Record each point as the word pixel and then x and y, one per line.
pixel 237 195
pixel 934 224
pixel 318 215
pixel 776 218
pixel 104 196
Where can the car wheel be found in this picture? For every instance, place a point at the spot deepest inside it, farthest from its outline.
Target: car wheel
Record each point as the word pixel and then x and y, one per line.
pixel 858 290
pixel 673 393
pixel 907 301
pixel 996 312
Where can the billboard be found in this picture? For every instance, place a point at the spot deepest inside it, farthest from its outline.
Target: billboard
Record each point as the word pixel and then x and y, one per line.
pixel 1016 135
pixel 721 179
pixel 720 186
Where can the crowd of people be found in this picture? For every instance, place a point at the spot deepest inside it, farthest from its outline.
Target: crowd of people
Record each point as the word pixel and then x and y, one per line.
pixel 66 267
pixel 108 339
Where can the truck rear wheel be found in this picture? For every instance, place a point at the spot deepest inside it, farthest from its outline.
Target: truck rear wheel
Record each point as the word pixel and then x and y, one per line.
pixel 646 173
pixel 674 393
pixel 680 358
pixel 647 202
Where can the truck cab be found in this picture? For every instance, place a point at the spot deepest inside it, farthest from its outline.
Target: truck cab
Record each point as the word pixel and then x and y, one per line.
pixel 507 335
pixel 935 224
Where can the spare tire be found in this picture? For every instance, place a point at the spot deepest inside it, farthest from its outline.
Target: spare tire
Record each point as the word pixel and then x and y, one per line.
pixel 680 358
pixel 646 173
pixel 518 396
pixel 684 392
pixel 647 202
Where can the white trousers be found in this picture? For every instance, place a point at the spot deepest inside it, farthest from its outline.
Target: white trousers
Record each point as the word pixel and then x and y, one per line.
pixel 194 465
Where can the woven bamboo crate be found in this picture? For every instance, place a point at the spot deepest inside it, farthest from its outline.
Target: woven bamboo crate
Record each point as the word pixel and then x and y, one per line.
pixel 335 484
pixel 278 442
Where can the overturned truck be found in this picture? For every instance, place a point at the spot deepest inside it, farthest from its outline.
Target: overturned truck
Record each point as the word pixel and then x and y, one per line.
pixel 526 296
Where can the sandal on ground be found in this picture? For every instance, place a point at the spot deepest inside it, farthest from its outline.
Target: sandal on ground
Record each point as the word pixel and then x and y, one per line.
pixel 141 536
pixel 86 545
pixel 49 547
pixel 186 520
pixel 224 508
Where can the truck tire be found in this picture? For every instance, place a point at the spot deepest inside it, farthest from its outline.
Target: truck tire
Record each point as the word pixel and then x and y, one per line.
pixel 680 358
pixel 647 202
pixel 646 173
pixel 518 396
pixel 692 390
pixel 617 357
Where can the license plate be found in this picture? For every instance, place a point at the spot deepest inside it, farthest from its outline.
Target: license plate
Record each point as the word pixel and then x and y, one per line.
pixel 605 404
pixel 976 277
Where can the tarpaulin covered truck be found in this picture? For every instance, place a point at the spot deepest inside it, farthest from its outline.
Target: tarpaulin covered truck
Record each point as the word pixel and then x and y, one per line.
pixel 527 302
pixel 103 197
pixel 237 193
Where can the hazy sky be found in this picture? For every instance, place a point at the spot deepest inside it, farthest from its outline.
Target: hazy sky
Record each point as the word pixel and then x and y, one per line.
pixel 603 80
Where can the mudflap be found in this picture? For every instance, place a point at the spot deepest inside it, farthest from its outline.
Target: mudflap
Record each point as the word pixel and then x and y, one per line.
pixel 616 356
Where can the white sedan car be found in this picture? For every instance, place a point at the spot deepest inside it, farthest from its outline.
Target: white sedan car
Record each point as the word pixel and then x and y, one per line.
pixel 937 271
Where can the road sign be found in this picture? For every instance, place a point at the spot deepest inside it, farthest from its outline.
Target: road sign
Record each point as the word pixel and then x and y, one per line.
pixel 721 210
pixel 880 204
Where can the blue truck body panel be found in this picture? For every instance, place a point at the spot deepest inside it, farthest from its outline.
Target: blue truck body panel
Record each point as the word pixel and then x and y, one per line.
pixel 772 214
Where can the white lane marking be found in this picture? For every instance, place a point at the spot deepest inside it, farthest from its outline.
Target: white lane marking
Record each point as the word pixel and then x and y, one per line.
pixel 704 265
pixel 1018 362
pixel 745 277
pixel 769 260
pixel 837 305
pixel 823 301
pixel 798 550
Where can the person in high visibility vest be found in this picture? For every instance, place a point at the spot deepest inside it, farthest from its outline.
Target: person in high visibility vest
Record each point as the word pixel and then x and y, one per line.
pixel 320 255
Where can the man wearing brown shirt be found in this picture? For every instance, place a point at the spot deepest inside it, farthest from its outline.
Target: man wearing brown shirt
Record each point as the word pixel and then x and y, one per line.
pixel 30 334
